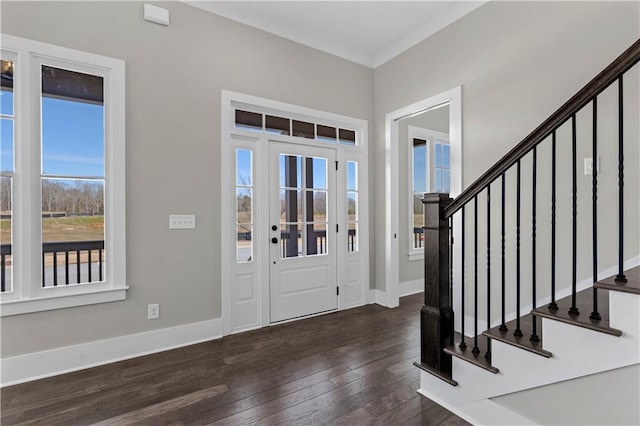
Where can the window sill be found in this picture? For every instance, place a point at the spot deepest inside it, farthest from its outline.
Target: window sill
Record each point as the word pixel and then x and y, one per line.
pixel 416 255
pixel 17 307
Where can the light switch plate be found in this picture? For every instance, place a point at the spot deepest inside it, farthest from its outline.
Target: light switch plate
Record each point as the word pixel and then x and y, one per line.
pixel 588 166
pixel 182 221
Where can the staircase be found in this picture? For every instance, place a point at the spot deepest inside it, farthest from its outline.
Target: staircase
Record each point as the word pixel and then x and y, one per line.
pixel 545 269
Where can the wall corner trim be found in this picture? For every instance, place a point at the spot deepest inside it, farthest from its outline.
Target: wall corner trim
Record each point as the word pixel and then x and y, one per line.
pixel 39 365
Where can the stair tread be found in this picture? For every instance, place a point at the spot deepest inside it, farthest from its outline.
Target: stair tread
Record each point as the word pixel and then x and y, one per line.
pixel 584 303
pixel 631 286
pixel 522 342
pixel 467 354
pixel 442 376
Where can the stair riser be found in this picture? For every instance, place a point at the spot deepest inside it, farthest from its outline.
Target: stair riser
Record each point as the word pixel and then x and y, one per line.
pixel 624 308
pixel 576 352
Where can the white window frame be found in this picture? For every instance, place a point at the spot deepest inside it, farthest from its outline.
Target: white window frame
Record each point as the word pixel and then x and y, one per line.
pixel 27 294
pixel 432 137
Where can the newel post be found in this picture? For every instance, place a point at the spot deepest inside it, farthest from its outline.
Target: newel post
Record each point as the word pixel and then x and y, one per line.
pixel 436 316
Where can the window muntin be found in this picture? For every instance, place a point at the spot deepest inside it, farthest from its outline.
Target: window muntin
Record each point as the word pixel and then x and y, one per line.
pixel 244 205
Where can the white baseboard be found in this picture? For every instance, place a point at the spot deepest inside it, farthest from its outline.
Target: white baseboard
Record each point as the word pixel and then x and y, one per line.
pixel 381 298
pixel 38 365
pixel 411 287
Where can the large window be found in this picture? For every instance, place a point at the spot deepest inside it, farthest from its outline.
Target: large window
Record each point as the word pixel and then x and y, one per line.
pixel 429 158
pixel 62 206
pixel 7 143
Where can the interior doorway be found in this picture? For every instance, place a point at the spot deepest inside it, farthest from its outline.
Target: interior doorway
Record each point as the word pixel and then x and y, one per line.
pixel 429 128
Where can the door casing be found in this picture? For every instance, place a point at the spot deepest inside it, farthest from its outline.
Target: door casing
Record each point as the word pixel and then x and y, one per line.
pixel 352 267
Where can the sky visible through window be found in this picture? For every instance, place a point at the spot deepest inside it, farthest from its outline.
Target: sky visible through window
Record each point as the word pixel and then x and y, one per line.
pixel 72 138
pixel 6 131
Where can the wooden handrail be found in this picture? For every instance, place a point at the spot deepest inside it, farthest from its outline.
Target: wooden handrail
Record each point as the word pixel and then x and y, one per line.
pixel 622 64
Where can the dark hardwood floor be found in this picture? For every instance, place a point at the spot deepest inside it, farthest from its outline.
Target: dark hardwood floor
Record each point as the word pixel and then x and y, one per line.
pixel 347 368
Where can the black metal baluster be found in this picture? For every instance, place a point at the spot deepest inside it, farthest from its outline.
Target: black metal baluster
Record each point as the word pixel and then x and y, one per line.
pixel 620 278
pixel 44 284
pixel 487 356
pixel 55 269
pixel 66 267
pixel 534 335
pixel 553 305
pixel 475 350
pixel 573 310
pixel 517 332
pixel 462 345
pixel 78 266
pixel 503 326
pixel 89 265
pixel 595 315
pixel 2 273
pixel 100 263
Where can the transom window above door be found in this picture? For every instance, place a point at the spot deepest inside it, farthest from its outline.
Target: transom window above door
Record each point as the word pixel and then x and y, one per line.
pixel 279 125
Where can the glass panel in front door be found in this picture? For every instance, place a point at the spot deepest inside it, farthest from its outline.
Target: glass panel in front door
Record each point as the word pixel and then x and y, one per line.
pixel 303 206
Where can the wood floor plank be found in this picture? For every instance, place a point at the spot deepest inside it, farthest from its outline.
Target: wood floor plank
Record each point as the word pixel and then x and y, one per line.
pixel 351 367
pixel 164 407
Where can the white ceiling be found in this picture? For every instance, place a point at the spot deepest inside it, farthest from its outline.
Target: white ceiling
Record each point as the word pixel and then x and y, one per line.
pixel 366 32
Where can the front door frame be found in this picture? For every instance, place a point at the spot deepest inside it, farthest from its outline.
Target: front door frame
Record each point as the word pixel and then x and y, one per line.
pixel 353 267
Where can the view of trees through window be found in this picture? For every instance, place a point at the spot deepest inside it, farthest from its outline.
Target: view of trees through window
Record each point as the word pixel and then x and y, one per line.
pixel 73 176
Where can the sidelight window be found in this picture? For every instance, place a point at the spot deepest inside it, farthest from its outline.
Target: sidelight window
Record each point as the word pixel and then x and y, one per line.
pixel 244 205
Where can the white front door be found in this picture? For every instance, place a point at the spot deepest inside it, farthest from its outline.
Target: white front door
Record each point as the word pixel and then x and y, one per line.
pixel 302 227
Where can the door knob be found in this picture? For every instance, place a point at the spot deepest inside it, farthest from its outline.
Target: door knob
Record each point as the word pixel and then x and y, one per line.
pixel 274 240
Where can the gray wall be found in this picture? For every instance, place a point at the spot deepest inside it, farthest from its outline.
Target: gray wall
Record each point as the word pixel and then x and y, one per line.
pixel 517 62
pixel 174 80
pixel 609 398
